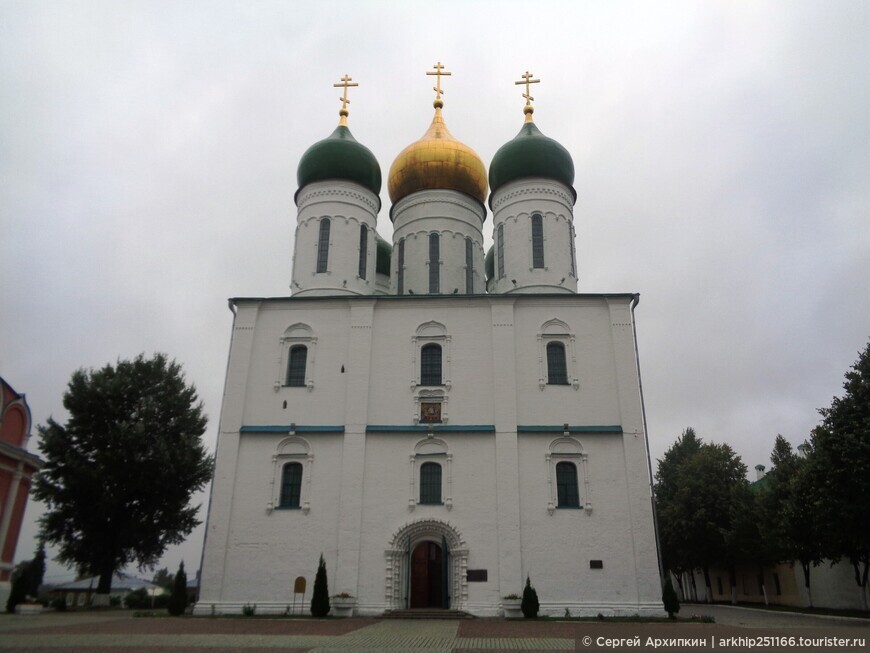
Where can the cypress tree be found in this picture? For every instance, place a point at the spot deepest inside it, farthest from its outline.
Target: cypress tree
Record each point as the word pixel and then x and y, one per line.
pixel 320 597
pixel 669 598
pixel 530 604
pixel 178 598
pixel 18 594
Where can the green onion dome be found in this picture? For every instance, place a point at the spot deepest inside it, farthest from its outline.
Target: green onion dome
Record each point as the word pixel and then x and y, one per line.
pixel 384 253
pixel 489 263
pixel 531 154
pixel 340 156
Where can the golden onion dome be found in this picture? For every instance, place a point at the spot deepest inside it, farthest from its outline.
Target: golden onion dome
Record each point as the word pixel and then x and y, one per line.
pixel 437 161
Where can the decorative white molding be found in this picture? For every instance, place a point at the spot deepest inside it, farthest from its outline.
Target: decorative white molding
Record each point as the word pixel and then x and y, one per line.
pixel 553 189
pixel 431 332
pixel 556 330
pixel 291 449
pixel 432 449
pixel 567 449
pixel 398 553
pixel 296 334
pixel 316 192
pixel 442 196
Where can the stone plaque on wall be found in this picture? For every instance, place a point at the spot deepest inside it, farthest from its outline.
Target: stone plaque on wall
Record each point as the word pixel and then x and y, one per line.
pixel 476 575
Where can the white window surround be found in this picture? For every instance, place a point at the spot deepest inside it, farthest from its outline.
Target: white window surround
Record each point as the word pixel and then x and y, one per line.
pixel 567 449
pixel 557 331
pixel 296 334
pixel 431 450
pixel 425 394
pixel 431 332
pixel 291 449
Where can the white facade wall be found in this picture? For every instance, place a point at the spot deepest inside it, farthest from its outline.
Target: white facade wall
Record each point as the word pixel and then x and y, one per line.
pixel 453 215
pixel 354 428
pixel 513 205
pixel 347 206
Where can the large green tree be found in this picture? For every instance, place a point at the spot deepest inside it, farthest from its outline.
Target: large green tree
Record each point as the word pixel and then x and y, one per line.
pixel 789 511
pixel 839 466
pixel 697 487
pixel 120 473
pixel 677 554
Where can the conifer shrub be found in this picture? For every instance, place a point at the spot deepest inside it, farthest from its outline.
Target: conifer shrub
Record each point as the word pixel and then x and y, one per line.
pixel 669 598
pixel 178 599
pixel 530 604
pixel 18 594
pixel 320 597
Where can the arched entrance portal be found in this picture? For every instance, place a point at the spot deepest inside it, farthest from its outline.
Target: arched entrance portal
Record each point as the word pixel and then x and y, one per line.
pixel 427 562
pixel 428 571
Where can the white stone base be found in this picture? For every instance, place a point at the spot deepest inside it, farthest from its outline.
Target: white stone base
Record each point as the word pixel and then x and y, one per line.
pixel 550 609
pixel 28 608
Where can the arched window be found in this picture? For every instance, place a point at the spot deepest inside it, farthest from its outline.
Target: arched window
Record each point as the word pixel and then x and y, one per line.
pixel 430 483
pixel 537 241
pixel 469 267
pixel 430 365
pixel 557 370
pixel 434 271
pixel 323 246
pixel 291 485
pixel 296 366
pixel 573 252
pixel 363 250
pixel 500 238
pixel 400 272
pixel 568 495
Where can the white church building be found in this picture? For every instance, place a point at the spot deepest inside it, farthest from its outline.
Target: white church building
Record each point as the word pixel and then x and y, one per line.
pixel 438 422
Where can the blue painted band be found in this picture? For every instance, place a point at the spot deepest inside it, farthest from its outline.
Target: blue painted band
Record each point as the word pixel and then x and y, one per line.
pixel 560 428
pixel 297 429
pixel 441 428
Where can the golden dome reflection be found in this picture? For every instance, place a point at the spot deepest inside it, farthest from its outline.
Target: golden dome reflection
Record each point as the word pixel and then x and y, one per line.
pixel 437 161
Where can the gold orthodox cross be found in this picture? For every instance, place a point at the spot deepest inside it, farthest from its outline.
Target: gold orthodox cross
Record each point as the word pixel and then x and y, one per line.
pixel 346 82
pixel 439 70
pixel 527 79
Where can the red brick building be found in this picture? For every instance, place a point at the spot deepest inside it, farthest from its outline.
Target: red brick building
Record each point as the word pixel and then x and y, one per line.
pixel 16 469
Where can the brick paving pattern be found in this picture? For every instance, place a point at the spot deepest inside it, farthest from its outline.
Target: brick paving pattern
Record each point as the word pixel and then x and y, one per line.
pixel 118 632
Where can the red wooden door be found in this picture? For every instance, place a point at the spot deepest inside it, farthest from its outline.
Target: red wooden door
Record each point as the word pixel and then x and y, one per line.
pixel 426 576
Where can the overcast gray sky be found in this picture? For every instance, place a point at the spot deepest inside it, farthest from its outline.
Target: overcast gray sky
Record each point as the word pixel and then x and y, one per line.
pixel 148 156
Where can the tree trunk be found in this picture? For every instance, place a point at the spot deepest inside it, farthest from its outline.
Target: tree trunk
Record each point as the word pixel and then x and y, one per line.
pixel 861 579
pixel 732 580
pixel 104 587
pixel 763 586
pixel 708 598
pixel 694 586
pixel 806 569
pixel 679 578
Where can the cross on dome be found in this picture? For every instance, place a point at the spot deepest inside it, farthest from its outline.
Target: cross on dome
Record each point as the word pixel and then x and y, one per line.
pixel 439 71
pixel 346 82
pixel 527 80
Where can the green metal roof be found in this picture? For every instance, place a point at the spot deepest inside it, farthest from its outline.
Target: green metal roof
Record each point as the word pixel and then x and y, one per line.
pixel 530 154
pixel 384 253
pixel 340 156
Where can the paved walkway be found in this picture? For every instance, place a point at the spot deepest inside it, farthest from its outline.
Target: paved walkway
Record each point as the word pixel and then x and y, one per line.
pixel 119 632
